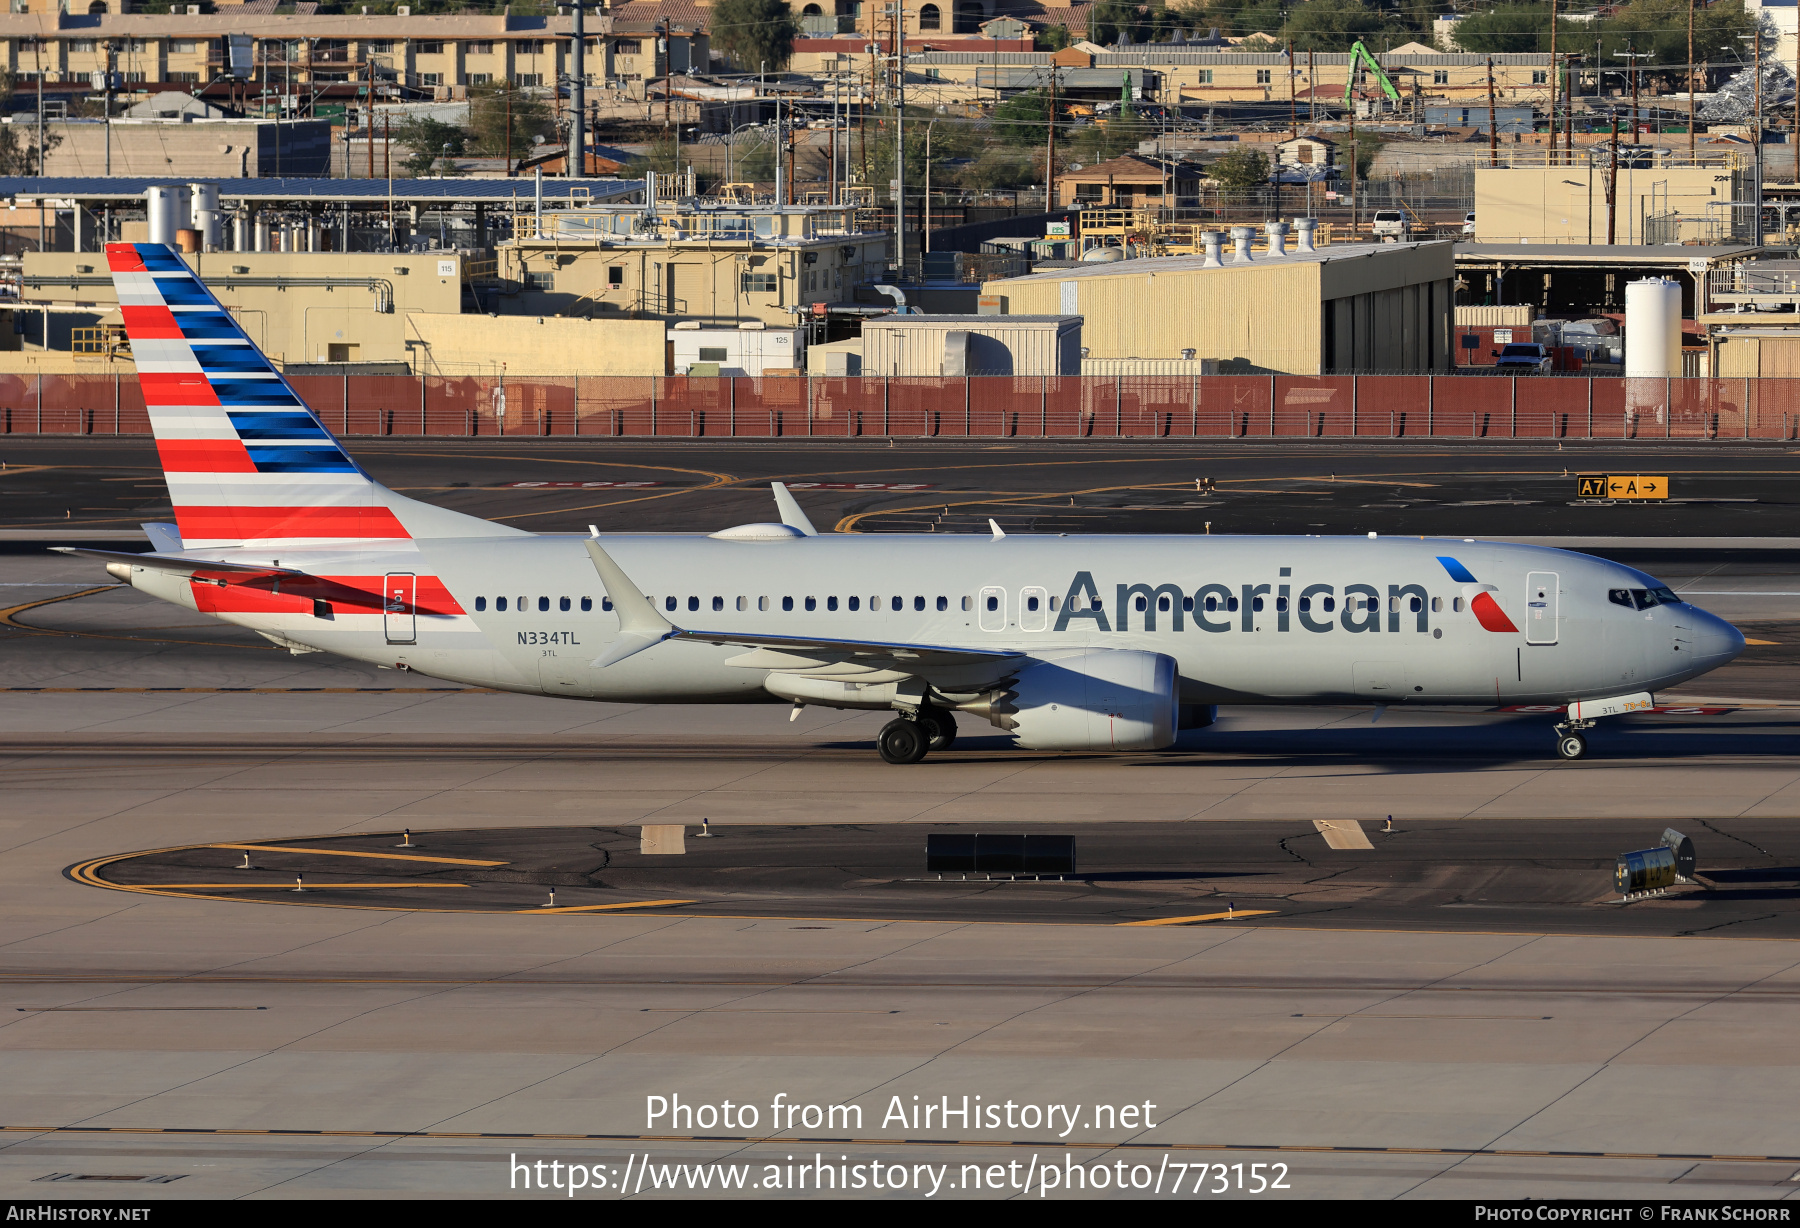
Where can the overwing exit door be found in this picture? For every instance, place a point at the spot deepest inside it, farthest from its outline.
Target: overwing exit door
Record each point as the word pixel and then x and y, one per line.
pixel 398 618
pixel 1540 607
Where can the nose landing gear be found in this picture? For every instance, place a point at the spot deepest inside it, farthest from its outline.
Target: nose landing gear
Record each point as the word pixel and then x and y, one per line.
pixel 1569 743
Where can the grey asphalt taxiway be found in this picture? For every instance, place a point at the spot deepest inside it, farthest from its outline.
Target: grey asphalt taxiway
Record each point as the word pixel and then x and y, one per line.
pixel 1459 1010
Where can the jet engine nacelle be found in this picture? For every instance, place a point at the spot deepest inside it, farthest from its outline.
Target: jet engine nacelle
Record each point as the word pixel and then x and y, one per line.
pixel 1091 699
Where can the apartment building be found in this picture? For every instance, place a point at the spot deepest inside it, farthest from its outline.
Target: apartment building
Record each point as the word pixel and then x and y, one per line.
pixel 444 52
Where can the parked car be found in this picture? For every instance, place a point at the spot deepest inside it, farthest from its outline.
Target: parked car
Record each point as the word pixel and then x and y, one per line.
pixel 1524 359
pixel 1469 223
pixel 1388 225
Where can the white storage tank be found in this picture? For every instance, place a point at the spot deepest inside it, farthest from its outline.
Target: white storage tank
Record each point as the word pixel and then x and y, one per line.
pixel 165 205
pixel 1653 328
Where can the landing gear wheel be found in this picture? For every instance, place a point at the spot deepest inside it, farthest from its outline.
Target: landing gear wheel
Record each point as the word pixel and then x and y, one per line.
pixel 940 726
pixel 1571 745
pixel 903 741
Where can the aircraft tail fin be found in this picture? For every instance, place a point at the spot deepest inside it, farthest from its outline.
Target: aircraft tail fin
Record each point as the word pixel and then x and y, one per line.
pixel 247 462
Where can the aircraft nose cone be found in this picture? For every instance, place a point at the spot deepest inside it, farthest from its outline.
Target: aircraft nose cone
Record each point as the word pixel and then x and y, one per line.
pixel 1717 641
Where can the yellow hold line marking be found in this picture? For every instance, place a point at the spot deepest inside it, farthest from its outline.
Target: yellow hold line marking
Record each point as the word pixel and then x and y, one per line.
pixel 1206 916
pixel 286 848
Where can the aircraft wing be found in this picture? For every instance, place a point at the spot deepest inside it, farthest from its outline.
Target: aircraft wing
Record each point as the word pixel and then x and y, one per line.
pixel 179 564
pixel 867 652
pixel 641 627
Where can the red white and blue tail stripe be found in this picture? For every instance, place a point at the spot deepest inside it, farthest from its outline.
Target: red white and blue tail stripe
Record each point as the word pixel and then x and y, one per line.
pixel 247 463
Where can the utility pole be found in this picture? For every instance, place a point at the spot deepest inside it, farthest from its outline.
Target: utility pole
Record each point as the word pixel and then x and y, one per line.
pixel 900 126
pixel 1553 81
pixel 667 50
pixel 369 121
pixel 1612 184
pixel 1493 131
pixel 37 52
pixel 1690 88
pixel 1312 93
pixel 576 163
pixel 1293 108
pixel 106 94
pixel 1050 148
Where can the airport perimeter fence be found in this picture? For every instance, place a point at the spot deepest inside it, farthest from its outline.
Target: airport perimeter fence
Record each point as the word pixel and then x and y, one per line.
pixel 1048 407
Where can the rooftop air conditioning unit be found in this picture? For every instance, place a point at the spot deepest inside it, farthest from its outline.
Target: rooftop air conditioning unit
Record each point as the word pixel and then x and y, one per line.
pixel 404 10
pixel 193 10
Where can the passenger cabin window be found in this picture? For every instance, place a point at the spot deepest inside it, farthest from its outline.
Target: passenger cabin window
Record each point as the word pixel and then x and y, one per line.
pixel 480 604
pixel 524 604
pixel 500 604
pixel 606 603
pixel 831 603
pixel 968 603
pixel 743 603
pixel 693 603
pixel 762 603
pixel 1456 604
pixel 853 602
pixel 1415 605
pixel 1031 603
pixel 1437 605
pixel 787 603
pixel 669 603
pixel 543 605
pixel 719 604
pixel 919 604
pixel 812 603
pixel 943 604
pixel 563 605
pixel 993 603
pixel 587 604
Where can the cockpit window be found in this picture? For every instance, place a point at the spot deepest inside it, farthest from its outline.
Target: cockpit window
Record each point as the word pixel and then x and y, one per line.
pixel 1642 598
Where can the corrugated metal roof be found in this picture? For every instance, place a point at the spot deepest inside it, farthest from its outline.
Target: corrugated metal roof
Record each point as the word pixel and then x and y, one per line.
pixel 1186 264
pixel 36 188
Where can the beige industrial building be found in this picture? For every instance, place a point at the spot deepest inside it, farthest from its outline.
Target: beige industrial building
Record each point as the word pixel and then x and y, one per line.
pixel 1366 307
pixel 177 149
pixel 1669 199
pixel 300 307
pixel 716 265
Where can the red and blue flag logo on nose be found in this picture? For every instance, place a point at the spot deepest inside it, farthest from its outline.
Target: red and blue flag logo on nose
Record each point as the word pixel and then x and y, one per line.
pixel 1487 611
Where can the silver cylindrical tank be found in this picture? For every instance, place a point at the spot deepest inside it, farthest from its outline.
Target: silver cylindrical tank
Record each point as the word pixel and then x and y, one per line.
pixel 211 225
pixel 1653 328
pixel 166 207
pixel 201 198
pixel 262 235
pixel 240 232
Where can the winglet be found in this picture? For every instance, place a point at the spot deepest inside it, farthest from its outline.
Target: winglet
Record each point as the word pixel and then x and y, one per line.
pixel 995 526
pixel 640 626
pixel 791 515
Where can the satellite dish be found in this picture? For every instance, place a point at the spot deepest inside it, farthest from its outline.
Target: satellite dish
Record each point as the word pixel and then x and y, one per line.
pixel 537 140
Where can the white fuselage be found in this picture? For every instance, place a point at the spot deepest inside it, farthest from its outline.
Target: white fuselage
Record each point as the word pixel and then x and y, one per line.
pixel 1246 619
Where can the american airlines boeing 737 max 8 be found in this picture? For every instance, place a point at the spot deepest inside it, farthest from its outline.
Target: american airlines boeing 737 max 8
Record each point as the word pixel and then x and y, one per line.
pixel 1066 643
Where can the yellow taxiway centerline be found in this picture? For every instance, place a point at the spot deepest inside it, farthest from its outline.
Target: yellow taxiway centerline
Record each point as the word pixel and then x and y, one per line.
pixel 605 907
pixel 284 848
pixel 1208 916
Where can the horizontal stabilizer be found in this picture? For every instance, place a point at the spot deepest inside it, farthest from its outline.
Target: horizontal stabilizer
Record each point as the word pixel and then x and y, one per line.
pixel 179 564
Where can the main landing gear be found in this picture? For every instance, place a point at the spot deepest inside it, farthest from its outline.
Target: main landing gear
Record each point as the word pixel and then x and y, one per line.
pixel 907 739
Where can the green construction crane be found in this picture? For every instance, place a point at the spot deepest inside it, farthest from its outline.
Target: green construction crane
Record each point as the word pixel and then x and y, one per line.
pixel 1358 52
